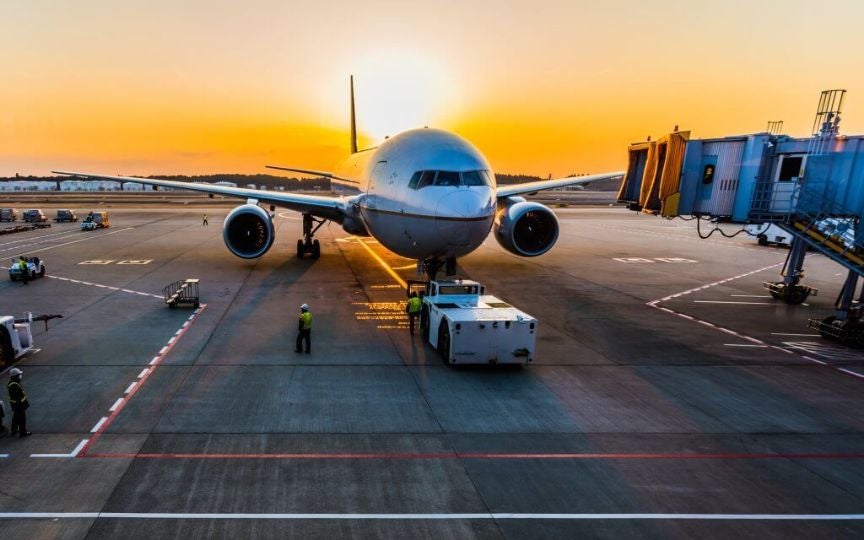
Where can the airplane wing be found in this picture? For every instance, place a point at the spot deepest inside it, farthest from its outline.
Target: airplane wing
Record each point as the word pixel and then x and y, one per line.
pixel 332 208
pixel 530 187
pixel 323 174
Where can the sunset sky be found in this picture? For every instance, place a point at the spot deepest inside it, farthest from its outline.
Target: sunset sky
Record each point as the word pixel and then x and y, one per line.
pixel 541 87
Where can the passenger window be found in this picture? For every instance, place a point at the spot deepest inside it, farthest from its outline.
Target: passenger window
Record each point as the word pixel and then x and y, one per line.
pixel 415 179
pixel 472 178
pixel 447 178
pixel 426 179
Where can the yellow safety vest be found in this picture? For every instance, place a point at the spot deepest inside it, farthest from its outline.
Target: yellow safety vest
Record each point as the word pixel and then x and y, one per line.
pixel 415 304
pixel 306 317
pixel 22 266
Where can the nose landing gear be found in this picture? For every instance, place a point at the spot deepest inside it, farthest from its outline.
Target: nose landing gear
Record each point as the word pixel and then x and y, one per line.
pixel 433 264
pixel 308 244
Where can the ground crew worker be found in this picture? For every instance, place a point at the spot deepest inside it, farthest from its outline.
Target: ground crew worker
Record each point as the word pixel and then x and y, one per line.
pixel 22 266
pixel 2 416
pixel 415 305
pixel 205 220
pixel 304 329
pixel 19 403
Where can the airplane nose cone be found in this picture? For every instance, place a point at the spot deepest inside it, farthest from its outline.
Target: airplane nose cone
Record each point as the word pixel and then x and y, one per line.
pixel 460 205
pixel 463 219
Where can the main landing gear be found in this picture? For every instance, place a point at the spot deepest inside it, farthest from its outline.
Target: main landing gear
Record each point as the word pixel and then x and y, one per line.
pixel 846 326
pixel 308 244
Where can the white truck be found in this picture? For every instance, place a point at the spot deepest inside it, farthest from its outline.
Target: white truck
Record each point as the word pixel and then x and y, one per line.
pixel 467 326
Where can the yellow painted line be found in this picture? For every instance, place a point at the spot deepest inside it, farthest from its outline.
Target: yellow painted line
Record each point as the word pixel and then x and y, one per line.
pixel 383 264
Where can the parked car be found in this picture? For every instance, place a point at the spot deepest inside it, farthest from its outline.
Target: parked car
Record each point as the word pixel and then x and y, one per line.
pixel 8 214
pixel 34 216
pixel 35 267
pixel 66 215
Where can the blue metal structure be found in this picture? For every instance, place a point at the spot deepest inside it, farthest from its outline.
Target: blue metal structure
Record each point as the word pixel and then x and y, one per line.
pixel 812 187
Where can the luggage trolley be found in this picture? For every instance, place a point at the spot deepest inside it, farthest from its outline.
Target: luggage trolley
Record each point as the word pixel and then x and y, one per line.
pixel 183 292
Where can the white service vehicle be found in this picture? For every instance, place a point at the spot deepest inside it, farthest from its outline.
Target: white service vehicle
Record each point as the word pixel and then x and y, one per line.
pixel 768 233
pixel 35 268
pixel 467 326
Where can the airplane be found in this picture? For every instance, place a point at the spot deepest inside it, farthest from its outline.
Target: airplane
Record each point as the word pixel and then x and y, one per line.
pixel 424 194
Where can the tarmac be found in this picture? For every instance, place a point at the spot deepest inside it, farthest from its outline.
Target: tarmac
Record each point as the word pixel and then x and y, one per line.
pixel 670 395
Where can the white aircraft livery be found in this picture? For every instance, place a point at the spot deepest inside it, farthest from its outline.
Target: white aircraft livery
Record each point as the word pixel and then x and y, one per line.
pixel 424 194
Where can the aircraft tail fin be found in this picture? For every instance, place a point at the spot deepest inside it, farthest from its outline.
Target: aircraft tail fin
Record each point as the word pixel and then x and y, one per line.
pixel 353 120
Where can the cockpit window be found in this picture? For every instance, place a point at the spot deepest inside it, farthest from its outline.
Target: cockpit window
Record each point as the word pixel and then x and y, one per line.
pixel 426 179
pixel 447 178
pixel 421 179
pixel 472 178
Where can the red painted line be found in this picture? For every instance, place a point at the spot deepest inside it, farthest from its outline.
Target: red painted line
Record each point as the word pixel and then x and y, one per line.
pixel 124 401
pixel 479 455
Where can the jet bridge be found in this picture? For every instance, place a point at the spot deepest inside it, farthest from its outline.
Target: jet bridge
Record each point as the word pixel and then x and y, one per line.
pixel 812 187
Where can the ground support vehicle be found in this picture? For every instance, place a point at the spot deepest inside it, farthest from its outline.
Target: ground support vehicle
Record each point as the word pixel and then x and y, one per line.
pixel 16 339
pixel 8 214
pixel 183 292
pixel 35 268
pixel 95 220
pixel 34 215
pixel 467 326
pixel 64 215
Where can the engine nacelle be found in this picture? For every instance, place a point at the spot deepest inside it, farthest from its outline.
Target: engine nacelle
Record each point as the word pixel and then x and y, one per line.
pixel 525 228
pixel 249 231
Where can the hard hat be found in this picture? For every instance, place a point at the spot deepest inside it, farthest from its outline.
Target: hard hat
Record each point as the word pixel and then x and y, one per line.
pixel 305 307
pixel 15 371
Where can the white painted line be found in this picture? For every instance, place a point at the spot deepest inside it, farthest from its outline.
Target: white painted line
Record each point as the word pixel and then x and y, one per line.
pixel 98 424
pixel 4 455
pixel 732 302
pixel 745 345
pixel 50 455
pixel 787 351
pixel 76 241
pixel 727 331
pixel 145 371
pixel 752 295
pixel 116 404
pixel 171 341
pixel 453 516
pixel 814 360
pixel 78 448
pixel 131 387
pixel 799 335
pixel 853 373
pixel 156 359
pixel 162 350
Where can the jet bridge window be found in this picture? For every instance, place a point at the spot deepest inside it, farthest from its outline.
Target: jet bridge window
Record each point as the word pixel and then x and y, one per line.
pixel 790 168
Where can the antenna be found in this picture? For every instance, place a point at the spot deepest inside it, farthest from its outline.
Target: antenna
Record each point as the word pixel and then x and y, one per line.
pixel 353 121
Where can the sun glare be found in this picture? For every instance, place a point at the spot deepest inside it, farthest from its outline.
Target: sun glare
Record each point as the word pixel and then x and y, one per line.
pixel 396 91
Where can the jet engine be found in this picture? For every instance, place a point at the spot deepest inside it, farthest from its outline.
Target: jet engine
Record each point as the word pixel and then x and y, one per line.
pixel 248 231
pixel 525 228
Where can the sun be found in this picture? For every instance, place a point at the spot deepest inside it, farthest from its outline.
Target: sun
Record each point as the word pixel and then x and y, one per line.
pixel 397 91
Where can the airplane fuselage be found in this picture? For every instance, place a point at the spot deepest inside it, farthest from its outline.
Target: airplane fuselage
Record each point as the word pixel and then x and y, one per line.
pixel 424 193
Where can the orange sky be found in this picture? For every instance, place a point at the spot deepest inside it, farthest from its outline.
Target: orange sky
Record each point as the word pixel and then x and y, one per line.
pixel 542 87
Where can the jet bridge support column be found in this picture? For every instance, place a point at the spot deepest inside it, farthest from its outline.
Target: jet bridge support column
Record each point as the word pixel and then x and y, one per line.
pixel 845 325
pixel 790 290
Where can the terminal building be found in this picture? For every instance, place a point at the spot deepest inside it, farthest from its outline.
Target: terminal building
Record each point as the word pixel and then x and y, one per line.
pixel 811 187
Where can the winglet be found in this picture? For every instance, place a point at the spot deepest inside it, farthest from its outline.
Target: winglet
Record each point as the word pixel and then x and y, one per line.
pixel 353 121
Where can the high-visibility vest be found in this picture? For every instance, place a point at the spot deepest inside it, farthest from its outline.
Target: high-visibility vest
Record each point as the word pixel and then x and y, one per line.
pixel 23 395
pixel 415 304
pixel 306 317
pixel 22 265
